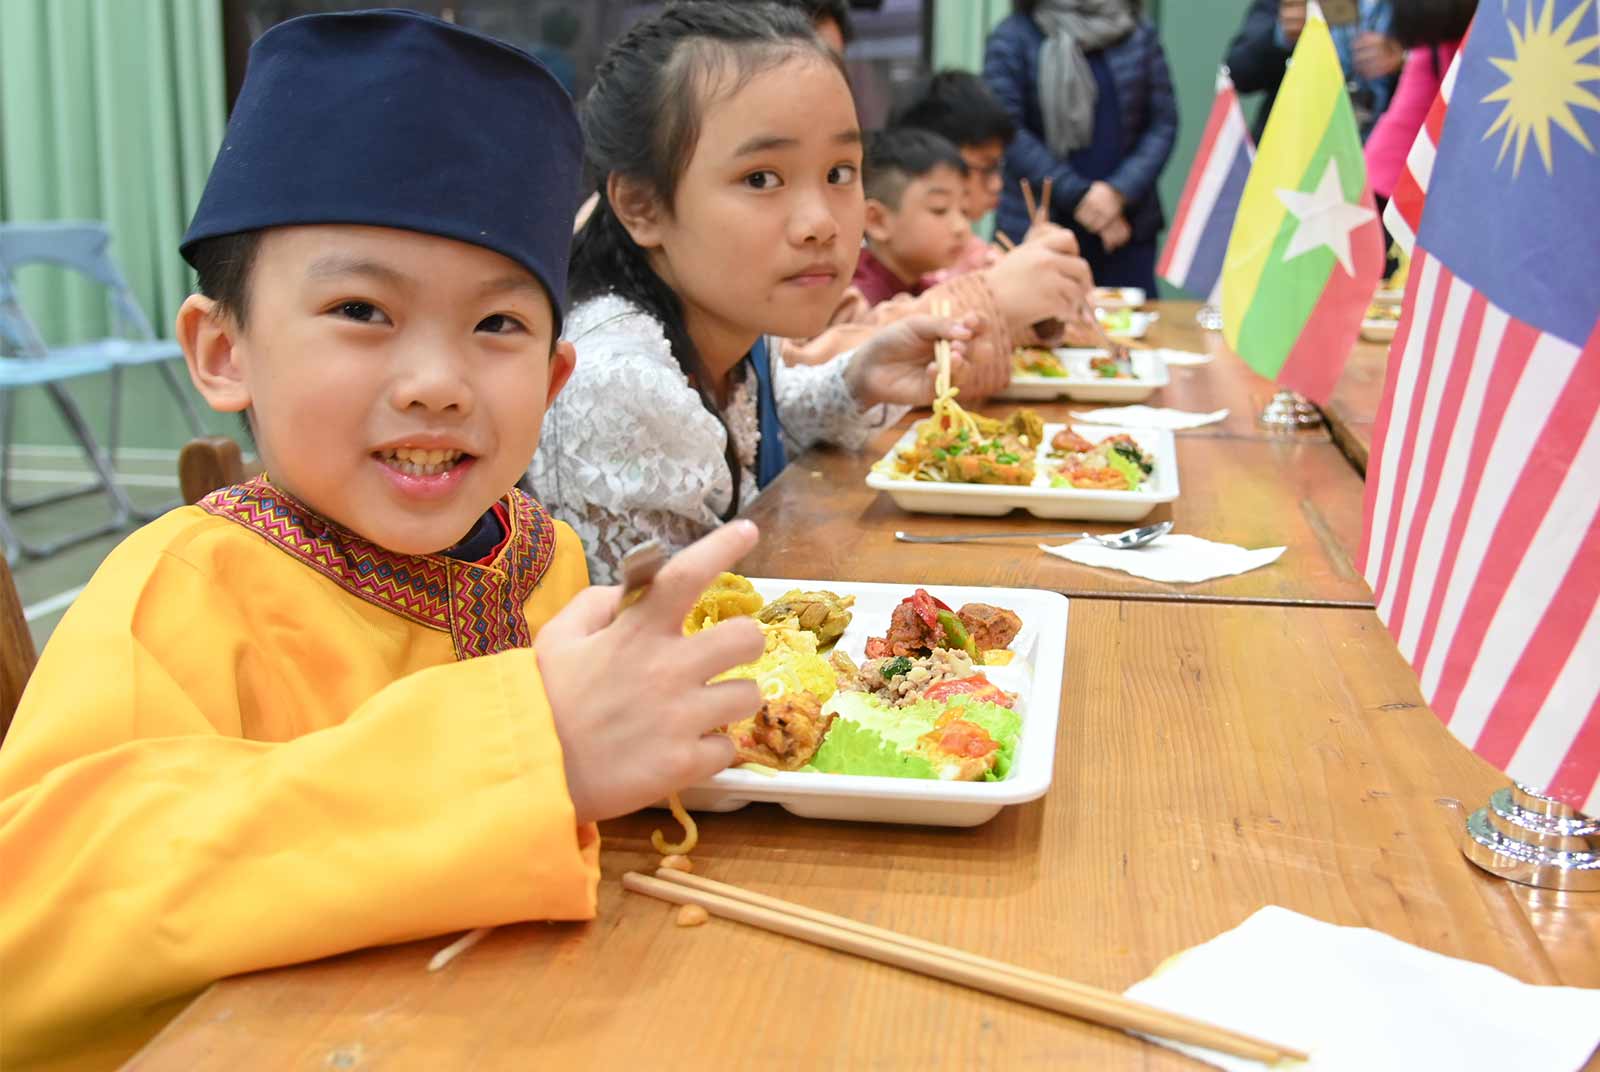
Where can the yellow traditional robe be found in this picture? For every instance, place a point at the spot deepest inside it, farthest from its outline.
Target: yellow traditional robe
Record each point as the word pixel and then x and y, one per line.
pixel 257 739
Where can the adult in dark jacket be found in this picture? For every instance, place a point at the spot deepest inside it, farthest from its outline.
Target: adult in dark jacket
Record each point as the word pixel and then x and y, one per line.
pixel 1087 84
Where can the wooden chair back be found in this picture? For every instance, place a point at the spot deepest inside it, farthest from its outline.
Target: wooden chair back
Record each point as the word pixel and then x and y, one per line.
pixel 17 655
pixel 209 463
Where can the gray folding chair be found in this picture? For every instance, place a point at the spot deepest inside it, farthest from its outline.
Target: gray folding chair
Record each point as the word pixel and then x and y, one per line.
pixel 25 360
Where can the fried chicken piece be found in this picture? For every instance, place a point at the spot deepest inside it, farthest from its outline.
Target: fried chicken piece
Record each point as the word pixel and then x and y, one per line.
pixel 989 627
pixel 784 734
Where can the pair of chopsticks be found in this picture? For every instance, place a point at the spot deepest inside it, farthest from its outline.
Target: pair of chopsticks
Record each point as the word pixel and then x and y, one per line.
pixel 953 965
pixel 1039 212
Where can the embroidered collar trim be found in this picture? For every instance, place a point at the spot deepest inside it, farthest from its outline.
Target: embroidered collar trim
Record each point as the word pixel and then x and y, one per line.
pixel 479 604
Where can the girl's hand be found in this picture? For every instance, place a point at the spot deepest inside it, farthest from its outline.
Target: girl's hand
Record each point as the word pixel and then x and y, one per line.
pixel 896 364
pixel 1040 279
pixel 628 690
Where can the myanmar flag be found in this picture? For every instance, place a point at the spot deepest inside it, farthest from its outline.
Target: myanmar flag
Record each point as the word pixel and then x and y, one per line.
pixel 1307 249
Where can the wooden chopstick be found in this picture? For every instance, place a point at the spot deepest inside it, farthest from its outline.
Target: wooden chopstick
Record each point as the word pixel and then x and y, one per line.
pixel 1028 201
pixel 941 353
pixel 1004 241
pixel 953 965
pixel 1044 201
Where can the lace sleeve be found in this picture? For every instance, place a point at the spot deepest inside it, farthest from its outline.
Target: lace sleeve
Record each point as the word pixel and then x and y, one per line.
pixel 627 451
pixel 815 406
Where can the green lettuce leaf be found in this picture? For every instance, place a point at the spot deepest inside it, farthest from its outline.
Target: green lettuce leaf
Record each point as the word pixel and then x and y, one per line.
pixel 851 748
pixel 870 737
pixel 1130 472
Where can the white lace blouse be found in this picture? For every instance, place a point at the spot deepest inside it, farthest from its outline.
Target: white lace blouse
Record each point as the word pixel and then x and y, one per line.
pixel 628 452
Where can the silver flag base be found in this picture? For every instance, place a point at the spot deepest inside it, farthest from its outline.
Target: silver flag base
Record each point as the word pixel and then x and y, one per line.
pixel 1529 838
pixel 1209 317
pixel 1290 410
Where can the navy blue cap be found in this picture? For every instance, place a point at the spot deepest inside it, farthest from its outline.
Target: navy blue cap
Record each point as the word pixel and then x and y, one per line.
pixel 397 119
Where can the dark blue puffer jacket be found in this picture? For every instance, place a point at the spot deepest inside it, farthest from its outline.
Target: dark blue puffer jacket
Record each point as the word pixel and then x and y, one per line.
pixel 1149 124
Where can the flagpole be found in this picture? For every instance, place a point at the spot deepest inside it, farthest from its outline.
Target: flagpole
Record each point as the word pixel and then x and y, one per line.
pixel 1524 836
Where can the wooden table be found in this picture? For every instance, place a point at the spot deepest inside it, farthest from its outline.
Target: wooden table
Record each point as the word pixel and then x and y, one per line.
pixel 1352 412
pixel 1195 781
pixel 820 520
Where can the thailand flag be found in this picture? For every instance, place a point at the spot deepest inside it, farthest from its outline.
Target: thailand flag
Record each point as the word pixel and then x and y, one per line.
pixel 1483 501
pixel 1198 240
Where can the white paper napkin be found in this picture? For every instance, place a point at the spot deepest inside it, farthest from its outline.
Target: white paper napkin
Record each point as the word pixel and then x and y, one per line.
pixel 1149 417
pixel 1358 999
pixel 1182 357
pixel 1175 559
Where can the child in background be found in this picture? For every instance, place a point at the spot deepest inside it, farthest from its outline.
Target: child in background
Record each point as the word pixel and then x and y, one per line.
pixel 914 182
pixel 727 148
pixel 958 106
pixel 350 703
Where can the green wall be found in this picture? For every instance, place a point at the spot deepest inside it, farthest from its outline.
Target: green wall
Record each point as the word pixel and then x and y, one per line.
pixel 1195 34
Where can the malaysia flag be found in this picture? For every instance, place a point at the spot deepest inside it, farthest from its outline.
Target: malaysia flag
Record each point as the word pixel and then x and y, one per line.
pixel 1483 501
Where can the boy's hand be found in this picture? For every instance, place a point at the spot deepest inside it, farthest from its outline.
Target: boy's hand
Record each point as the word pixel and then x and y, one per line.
pixel 897 364
pixel 1040 279
pixel 628 691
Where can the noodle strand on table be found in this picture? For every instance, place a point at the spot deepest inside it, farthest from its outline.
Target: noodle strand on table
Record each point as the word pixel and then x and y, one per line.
pixel 691 833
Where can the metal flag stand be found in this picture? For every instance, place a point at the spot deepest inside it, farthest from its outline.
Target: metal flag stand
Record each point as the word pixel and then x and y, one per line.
pixel 1527 837
pixel 1289 409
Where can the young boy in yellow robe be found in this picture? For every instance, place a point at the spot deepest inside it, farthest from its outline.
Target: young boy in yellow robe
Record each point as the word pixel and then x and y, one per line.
pixel 360 700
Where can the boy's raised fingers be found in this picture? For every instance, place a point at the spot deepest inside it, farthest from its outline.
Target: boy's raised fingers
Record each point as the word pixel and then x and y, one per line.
pixel 721 704
pixel 692 570
pixel 722 647
pixel 708 755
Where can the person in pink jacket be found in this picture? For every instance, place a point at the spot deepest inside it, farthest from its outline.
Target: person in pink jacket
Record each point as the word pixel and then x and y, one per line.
pixel 1431 31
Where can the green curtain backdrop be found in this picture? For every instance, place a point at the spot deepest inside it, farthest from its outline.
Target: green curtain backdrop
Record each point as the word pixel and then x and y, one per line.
pixel 109 110
pixel 960 28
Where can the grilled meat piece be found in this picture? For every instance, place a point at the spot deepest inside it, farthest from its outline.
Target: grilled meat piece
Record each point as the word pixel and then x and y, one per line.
pixel 990 627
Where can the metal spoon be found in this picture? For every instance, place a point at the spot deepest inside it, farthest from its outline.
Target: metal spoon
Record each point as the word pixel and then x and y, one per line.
pixel 1117 541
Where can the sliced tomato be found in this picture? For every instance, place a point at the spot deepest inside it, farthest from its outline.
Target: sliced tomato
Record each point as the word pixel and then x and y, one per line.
pixel 878 648
pixel 927 608
pixel 963 738
pixel 977 686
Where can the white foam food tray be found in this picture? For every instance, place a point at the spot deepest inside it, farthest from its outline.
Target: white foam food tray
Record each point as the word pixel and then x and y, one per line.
pixel 1039 498
pixel 1379 330
pixel 1138 323
pixel 1084 385
pixel 1034 674
pixel 1117 297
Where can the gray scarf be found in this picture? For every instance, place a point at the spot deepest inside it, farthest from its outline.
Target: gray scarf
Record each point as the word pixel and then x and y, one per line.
pixel 1066 84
